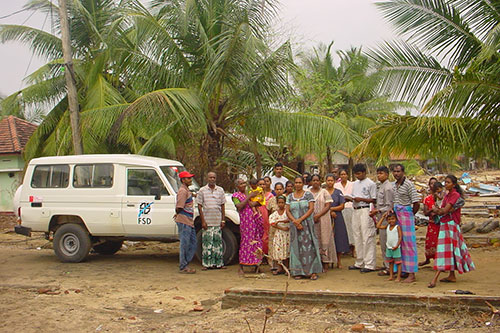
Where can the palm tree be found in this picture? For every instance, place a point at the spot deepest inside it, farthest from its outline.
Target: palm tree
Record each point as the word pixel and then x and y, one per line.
pixel 450 62
pixel 346 93
pixel 101 49
pixel 172 78
pixel 220 50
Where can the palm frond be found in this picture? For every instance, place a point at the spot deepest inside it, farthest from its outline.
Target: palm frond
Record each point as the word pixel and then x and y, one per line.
pixel 305 132
pixel 407 73
pixel 436 25
pixel 41 43
pixel 432 137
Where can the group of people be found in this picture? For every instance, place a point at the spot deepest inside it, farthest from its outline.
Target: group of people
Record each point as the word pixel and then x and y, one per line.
pixel 306 227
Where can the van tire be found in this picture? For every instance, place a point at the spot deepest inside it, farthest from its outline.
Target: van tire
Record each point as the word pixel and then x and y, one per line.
pixel 71 242
pixel 230 242
pixel 108 247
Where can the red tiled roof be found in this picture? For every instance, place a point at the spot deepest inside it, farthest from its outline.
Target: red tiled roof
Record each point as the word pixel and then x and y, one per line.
pixel 14 134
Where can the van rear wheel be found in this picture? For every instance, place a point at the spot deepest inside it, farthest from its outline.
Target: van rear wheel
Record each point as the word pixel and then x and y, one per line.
pixel 71 243
pixel 108 247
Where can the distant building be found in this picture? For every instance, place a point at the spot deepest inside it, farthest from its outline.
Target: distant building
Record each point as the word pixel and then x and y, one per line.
pixel 14 134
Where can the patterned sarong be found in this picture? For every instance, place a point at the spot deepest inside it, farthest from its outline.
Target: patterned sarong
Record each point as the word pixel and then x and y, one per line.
pixel 406 220
pixel 212 248
pixel 451 252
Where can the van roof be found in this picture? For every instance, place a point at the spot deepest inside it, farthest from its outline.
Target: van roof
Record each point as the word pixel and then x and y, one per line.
pixel 106 158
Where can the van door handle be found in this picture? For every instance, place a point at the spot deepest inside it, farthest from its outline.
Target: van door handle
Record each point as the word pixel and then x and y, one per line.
pixel 130 205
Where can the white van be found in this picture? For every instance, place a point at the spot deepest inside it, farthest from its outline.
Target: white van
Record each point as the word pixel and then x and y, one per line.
pixel 98 201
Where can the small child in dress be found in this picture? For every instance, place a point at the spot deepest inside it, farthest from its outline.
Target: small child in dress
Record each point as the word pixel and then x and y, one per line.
pixel 394 237
pixel 260 198
pixel 280 250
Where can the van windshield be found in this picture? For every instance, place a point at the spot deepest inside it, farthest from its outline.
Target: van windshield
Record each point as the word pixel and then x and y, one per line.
pixel 172 174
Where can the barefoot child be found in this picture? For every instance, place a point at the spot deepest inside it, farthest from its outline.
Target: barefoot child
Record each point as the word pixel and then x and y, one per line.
pixel 259 197
pixel 394 237
pixel 280 250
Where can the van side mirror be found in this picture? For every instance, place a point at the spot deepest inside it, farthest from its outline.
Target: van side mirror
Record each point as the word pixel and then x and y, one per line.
pixel 156 191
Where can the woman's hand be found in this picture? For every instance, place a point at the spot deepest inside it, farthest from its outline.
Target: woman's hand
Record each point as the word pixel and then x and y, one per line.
pixel 333 214
pixel 316 218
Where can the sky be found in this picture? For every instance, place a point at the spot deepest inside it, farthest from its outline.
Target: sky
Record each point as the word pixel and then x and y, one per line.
pixel 307 22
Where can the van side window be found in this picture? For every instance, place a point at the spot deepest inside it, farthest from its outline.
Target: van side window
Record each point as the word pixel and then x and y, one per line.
pixel 140 182
pixel 93 175
pixel 50 176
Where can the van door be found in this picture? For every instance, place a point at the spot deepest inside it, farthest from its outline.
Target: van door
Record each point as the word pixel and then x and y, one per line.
pixel 142 215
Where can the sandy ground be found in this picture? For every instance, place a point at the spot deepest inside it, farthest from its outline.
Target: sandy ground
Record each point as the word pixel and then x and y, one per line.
pixel 140 289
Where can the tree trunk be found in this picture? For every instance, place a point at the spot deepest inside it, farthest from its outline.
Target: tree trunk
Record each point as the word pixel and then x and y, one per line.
pixel 351 165
pixel 213 152
pixel 258 158
pixel 329 160
pixel 74 113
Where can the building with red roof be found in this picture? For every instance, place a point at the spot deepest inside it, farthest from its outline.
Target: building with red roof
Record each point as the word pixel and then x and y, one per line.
pixel 14 134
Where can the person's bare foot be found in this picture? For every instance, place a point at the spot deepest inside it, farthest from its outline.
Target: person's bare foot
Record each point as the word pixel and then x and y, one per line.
pixel 241 272
pixel 409 279
pixel 339 266
pixel 390 278
pixel 398 280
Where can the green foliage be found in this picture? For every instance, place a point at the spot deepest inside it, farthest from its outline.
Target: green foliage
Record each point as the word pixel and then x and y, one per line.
pixel 450 60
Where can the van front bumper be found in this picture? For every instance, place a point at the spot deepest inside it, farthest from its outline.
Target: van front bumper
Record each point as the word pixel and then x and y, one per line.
pixel 19 229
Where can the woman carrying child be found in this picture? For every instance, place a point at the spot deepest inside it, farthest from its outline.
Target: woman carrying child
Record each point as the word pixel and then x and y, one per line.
pixel 280 250
pixel 432 200
pixel 393 244
pixel 451 251
pixel 251 229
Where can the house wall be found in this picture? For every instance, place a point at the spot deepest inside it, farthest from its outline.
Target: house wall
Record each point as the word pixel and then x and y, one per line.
pixel 11 172
pixel 339 159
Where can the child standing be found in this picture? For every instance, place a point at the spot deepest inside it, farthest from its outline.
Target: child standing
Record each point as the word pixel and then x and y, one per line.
pixel 260 198
pixel 280 250
pixel 394 237
pixel 432 200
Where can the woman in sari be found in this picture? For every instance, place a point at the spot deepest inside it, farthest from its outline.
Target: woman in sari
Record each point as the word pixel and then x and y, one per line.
pixel 345 186
pixel 339 228
pixel 251 229
pixel 451 252
pixel 305 260
pixel 323 223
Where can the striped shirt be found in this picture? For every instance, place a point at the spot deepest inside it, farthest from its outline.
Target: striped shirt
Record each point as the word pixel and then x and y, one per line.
pixel 211 202
pixel 184 200
pixel 406 193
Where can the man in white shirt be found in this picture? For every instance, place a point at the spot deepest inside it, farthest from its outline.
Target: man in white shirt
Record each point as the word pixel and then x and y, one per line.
pixel 278 178
pixel 364 193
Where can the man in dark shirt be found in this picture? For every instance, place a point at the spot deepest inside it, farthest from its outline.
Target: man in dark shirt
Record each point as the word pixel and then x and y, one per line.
pixel 185 224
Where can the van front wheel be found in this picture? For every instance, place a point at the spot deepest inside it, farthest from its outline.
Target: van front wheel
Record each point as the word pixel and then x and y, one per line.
pixel 71 243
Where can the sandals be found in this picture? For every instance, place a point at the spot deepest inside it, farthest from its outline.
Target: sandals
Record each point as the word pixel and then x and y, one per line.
pixel 187 271
pixel 314 277
pixel 431 285
pixel 383 273
pixel 446 280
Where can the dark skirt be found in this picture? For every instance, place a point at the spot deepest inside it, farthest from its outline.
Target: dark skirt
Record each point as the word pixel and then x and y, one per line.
pixel 340 234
